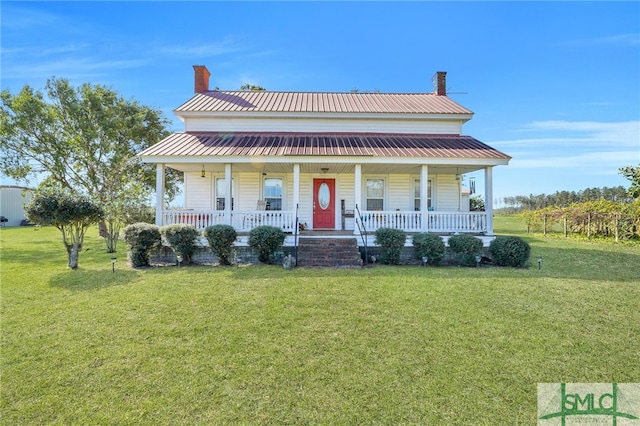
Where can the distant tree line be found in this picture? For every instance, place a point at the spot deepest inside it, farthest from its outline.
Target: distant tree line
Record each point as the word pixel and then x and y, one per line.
pixel 594 212
pixel 519 203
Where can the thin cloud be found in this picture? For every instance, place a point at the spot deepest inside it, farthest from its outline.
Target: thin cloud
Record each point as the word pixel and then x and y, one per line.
pixel 624 39
pixel 631 39
pixel 69 68
pixel 23 18
pixel 592 161
pixel 565 134
pixel 200 50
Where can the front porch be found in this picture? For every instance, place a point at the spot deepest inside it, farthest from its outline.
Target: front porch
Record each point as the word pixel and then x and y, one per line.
pixel 366 223
pixel 354 198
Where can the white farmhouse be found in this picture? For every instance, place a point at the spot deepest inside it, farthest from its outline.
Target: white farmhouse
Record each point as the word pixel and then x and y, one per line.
pixel 326 162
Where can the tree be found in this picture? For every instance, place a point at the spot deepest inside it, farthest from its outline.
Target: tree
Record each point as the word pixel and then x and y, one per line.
pixel 85 139
pixel 633 174
pixel 476 204
pixel 70 213
pixel 251 87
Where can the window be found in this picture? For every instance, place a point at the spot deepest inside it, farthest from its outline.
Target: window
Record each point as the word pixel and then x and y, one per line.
pixel 221 193
pixel 416 195
pixel 273 193
pixel 375 194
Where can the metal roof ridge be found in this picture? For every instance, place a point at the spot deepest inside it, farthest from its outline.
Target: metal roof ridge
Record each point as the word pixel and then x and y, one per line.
pixel 273 132
pixel 330 92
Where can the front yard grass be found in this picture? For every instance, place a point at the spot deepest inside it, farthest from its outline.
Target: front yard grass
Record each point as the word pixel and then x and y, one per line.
pixel 263 345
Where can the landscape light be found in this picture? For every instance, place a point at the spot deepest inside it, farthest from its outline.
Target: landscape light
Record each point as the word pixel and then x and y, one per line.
pixel 425 259
pixel 539 262
pixel 478 259
pixel 113 264
pixel 179 259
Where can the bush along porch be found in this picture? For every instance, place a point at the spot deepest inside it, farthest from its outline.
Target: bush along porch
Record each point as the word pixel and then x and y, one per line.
pixel 182 245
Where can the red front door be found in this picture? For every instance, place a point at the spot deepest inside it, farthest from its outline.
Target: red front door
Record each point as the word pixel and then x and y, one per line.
pixel 324 204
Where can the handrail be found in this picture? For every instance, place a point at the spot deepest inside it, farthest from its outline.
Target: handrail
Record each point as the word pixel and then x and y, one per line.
pixel 363 234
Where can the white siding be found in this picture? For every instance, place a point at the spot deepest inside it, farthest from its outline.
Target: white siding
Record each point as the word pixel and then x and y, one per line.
pixel 440 127
pixel 198 191
pixel 12 201
pixel 346 192
pixel 248 191
pixel 448 193
pixel 305 212
pixel 399 192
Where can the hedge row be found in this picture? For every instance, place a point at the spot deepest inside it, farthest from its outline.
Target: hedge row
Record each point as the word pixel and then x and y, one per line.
pixel 266 240
pixel 466 249
pixel 142 238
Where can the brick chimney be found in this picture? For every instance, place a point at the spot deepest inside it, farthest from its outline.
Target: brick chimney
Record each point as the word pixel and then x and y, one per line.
pixel 201 80
pixel 440 83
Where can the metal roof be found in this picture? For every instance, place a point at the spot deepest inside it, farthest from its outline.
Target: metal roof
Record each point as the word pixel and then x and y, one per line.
pixel 321 102
pixel 321 144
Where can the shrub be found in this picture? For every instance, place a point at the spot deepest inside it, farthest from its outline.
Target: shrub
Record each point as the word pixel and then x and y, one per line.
pixel 71 213
pixel 510 251
pixel 141 238
pixel 137 214
pixel 466 247
pixel 221 239
pixel 182 239
pixel 265 240
pixel 392 242
pixel 428 244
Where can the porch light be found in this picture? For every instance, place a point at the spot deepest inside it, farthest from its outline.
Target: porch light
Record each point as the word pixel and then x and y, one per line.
pixel 202 173
pixel 113 264
pixel 324 169
pixel 539 262
pixel 457 176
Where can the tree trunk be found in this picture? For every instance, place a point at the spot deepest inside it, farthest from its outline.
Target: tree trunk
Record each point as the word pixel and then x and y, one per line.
pixel 106 231
pixel 73 252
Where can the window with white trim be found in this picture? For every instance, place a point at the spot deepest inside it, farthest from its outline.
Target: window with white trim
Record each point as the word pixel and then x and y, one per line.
pixel 416 194
pixel 374 194
pixel 273 193
pixel 221 193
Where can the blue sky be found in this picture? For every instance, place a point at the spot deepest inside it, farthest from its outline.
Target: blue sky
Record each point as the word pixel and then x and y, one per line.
pixel 556 85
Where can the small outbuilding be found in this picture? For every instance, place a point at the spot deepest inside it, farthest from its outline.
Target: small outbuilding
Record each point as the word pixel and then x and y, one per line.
pixel 12 202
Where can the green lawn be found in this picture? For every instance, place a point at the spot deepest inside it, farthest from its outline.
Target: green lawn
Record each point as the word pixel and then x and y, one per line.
pixel 261 345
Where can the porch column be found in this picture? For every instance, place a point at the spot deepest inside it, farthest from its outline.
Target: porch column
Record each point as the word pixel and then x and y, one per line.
pixel 488 198
pixel 227 197
pixel 296 187
pixel 357 193
pixel 159 192
pixel 424 200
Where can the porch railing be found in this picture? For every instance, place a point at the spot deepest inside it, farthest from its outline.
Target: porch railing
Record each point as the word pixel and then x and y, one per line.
pixel 240 220
pixel 457 221
pixel 247 220
pixel 411 221
pixel 408 221
pixel 199 219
